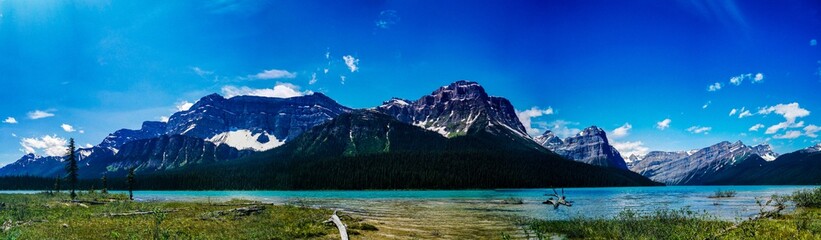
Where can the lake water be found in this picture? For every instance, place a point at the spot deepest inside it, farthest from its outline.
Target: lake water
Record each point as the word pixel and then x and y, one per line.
pixel 589 202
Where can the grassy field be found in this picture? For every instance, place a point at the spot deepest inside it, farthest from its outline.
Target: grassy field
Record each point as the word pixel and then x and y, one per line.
pixel 803 223
pixel 50 216
pixel 103 216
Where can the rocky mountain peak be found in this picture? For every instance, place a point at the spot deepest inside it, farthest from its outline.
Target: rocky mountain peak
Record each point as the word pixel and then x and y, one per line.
pixel 454 109
pixel 588 146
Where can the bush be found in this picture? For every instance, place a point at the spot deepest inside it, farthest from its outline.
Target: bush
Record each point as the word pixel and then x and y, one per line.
pixel 723 194
pixel 807 198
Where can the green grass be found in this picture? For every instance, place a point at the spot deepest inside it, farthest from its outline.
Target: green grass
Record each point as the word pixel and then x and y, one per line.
pixel 48 216
pixel 660 224
pixel 803 223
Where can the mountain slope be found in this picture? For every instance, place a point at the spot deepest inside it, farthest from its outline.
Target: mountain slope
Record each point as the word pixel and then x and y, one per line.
pixel 370 150
pixel 588 146
pixel 689 168
pixel 801 167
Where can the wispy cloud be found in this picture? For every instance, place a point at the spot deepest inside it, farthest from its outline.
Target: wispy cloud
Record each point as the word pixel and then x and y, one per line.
pixel 714 87
pixel 755 128
pixel 664 124
pixel 699 129
pixel 351 62
pixel 526 117
pixel 563 129
pixel 387 19
pixel 811 130
pixel 813 42
pixel 313 79
pixel 628 148
pixel 10 120
pixel 274 74
pixel 788 135
pixel 733 111
pixel 621 132
pixel 706 105
pixel 38 114
pixel 281 90
pixel 754 78
pixel 201 73
pixel 744 113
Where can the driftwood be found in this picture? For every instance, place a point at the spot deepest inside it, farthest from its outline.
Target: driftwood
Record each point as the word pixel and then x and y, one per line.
pixel 136 213
pixel 7 225
pixel 243 211
pixel 343 231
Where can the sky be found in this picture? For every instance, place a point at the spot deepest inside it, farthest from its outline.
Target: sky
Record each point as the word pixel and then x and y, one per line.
pixel 657 75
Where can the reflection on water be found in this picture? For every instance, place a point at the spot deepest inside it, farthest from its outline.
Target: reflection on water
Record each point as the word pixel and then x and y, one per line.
pixel 589 202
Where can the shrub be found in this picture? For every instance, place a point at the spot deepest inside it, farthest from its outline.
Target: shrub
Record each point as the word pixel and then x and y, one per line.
pixel 807 198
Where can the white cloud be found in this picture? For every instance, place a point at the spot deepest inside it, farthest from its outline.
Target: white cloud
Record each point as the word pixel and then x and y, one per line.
pixel 789 111
pixel 699 129
pixel 813 42
pixel 811 131
pixel 744 113
pixel 527 115
pixel 342 79
pixel 184 106
pixel 706 105
pixel 88 145
pixel 755 78
pixel 664 124
pixel 326 70
pixel 38 114
pixel 281 90
pixel 81 131
pixel 351 62
pixel 788 135
pixel 313 79
pixel 562 129
pixel 67 128
pixel 13 134
pixel 10 120
pixel 758 77
pixel 755 128
pixel 274 74
pixel 164 119
pixel 714 87
pixel 627 149
pixel 200 72
pixel 732 112
pixel 622 131
pixel 50 145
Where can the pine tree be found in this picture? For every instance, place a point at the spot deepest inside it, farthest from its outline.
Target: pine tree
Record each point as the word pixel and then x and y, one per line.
pixel 57 184
pixel 71 168
pixel 131 182
pixel 105 184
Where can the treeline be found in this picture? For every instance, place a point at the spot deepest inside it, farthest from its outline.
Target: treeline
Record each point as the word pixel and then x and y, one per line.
pixel 48 184
pixel 396 170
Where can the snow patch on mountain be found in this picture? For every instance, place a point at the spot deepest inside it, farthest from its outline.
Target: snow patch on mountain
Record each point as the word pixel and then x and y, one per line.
pixel 246 140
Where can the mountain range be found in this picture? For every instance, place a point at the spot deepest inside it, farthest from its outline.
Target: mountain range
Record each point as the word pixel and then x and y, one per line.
pixel 457 136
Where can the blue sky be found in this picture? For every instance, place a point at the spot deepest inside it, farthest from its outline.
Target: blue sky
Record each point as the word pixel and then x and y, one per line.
pixel 98 66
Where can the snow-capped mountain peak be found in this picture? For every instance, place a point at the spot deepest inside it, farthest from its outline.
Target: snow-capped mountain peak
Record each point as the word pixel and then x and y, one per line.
pixel 589 146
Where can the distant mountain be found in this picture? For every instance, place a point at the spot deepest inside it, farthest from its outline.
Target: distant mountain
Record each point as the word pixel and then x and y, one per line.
pixel 692 167
pixel 801 167
pixel 370 150
pixel 588 146
pixel 244 123
pixel 455 109
pixel 52 166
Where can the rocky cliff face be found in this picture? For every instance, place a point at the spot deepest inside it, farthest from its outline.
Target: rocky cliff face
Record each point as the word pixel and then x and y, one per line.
pixel 588 146
pixel 253 123
pixel 170 152
pixel 455 109
pixel 677 168
pixel 149 129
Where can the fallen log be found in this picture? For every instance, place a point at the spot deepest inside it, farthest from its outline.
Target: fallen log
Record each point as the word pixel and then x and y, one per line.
pixel 85 202
pixel 343 232
pixel 243 211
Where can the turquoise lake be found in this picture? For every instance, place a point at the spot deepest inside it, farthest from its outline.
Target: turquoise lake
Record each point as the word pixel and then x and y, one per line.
pixel 589 202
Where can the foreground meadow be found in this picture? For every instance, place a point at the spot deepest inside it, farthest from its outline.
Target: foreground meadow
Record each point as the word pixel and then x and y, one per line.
pixel 113 216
